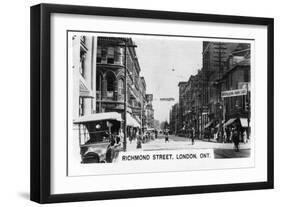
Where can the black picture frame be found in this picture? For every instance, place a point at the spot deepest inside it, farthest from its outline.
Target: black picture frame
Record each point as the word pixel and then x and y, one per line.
pixel 41 99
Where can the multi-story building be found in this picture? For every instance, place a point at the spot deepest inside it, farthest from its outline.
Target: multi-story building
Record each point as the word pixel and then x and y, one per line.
pixel 114 56
pixel 226 67
pixel 143 102
pixel 215 55
pixel 149 111
pixel 190 110
pixel 99 82
pixel 238 76
pixel 173 122
pixel 83 82
pixel 84 75
pixel 183 105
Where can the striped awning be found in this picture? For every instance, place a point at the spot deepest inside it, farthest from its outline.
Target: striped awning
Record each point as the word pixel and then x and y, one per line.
pixel 230 121
pixel 131 121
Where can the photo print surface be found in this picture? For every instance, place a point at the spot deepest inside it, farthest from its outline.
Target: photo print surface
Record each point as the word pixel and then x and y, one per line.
pixel 140 103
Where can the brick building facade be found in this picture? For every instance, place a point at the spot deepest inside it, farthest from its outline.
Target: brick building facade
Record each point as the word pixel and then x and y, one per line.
pixel 226 66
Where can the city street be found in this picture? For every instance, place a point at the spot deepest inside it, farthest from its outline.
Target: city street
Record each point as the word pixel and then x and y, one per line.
pixel 221 150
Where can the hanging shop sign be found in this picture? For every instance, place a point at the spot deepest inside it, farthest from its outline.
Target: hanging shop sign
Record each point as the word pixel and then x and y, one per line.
pixel 231 93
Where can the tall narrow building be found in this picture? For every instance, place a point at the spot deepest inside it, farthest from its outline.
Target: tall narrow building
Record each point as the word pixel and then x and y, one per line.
pixel 84 75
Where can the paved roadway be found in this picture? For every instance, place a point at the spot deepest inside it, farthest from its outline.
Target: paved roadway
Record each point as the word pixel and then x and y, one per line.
pixel 221 150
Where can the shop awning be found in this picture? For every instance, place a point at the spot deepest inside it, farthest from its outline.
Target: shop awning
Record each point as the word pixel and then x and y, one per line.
pixel 132 121
pixel 244 122
pixel 208 125
pixel 230 121
pixel 98 117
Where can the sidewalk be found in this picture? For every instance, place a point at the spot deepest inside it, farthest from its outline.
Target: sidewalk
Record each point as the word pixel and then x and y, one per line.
pixel 159 144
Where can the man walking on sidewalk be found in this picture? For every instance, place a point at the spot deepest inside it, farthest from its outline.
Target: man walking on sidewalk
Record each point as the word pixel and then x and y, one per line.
pixel 192 136
pixel 166 136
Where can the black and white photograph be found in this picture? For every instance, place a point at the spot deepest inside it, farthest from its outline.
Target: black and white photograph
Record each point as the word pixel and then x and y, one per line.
pixel 172 102
pixel 130 103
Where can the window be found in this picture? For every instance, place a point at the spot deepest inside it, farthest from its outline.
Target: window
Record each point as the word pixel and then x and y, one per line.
pixel 110 55
pixel 118 55
pixel 99 55
pixel 82 63
pixel 121 89
pixel 110 81
pixel 98 82
pixel 103 54
pixel 246 75
pixel 110 60
pixel 98 59
pixel 81 106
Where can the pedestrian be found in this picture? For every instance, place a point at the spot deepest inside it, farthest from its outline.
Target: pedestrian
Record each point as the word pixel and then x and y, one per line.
pixel 193 136
pixel 116 148
pixel 215 136
pixel 227 134
pixel 110 151
pixel 245 137
pixel 224 135
pixel 209 133
pixel 139 142
pixel 235 139
pixel 166 136
pixel 186 133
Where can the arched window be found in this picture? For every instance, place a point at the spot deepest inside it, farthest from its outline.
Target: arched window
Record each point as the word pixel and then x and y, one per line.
pixel 110 78
pixel 121 89
pixel 99 82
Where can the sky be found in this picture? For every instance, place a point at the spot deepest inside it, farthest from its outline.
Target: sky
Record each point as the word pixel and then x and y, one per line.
pixel 164 62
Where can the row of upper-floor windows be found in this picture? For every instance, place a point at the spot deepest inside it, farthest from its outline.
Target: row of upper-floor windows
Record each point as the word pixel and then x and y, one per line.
pixel 111 84
pixel 110 55
pixel 115 55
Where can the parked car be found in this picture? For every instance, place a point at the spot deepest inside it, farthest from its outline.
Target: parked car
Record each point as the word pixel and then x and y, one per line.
pixel 96 133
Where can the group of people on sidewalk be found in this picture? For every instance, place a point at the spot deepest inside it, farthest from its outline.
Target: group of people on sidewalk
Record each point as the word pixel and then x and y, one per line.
pixel 225 134
pixel 232 134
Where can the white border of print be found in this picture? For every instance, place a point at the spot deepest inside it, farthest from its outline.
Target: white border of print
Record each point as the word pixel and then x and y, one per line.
pixel 60 183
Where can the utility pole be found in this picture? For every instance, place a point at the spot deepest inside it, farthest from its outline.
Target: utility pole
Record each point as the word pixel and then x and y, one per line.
pixel 142 106
pixel 100 106
pixel 176 117
pixel 221 52
pixel 249 111
pixel 125 100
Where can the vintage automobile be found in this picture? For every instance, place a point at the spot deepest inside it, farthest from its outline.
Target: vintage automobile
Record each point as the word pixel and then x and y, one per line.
pixel 95 133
